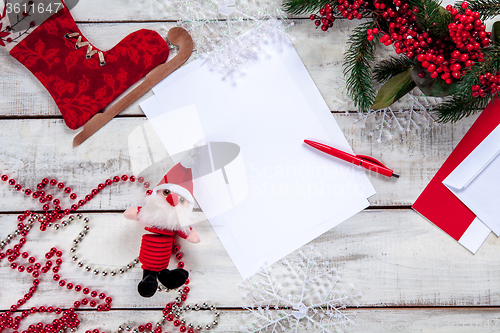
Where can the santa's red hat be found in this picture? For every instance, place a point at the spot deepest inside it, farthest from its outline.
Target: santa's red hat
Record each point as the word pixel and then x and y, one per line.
pixel 178 180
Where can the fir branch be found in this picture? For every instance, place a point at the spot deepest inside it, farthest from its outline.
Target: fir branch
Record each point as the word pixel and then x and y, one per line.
pixel 460 106
pixel 487 8
pixel 432 17
pixel 297 7
pixel 463 104
pixel 440 23
pixel 357 67
pixel 386 69
pixel 490 64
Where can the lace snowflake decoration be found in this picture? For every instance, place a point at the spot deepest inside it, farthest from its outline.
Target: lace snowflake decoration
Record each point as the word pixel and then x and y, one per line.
pixel 220 28
pixel 300 292
pixel 409 116
pixel 386 123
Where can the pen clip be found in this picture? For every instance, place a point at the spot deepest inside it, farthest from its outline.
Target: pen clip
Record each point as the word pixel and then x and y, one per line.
pixel 371 159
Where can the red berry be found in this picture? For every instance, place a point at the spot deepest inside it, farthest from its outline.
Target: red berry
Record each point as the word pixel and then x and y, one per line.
pixel 455 67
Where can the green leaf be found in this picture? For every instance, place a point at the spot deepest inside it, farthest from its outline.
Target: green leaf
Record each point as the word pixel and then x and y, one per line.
pixel 433 87
pixel 394 89
pixel 495 32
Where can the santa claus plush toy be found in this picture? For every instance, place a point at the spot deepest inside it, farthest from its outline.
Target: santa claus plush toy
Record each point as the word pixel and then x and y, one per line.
pixel 166 213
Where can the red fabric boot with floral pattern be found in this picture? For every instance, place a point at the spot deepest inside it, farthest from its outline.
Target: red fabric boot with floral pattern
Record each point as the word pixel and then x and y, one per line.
pixel 82 80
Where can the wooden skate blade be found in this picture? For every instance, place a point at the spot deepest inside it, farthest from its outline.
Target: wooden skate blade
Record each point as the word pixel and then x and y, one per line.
pixel 176 36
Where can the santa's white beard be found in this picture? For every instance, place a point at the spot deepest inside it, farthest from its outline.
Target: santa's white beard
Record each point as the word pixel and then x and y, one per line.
pixel 158 213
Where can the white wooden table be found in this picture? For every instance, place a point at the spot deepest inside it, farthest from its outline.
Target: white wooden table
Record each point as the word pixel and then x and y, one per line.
pixel 413 277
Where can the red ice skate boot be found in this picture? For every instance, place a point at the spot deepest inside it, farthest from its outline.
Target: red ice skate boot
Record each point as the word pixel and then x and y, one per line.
pixel 81 79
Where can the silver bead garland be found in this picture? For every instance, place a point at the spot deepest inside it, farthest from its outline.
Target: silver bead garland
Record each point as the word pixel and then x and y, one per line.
pixel 109 271
pixel 16 233
pixel 177 312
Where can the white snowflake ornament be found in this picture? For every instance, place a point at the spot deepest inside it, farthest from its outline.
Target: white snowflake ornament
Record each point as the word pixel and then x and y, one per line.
pixel 299 292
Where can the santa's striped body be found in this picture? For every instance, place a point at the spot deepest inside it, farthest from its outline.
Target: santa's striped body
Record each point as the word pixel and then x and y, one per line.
pixel 156 248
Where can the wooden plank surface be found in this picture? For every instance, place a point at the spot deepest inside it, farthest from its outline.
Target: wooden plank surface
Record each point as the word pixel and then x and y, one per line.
pixel 415 155
pixel 412 276
pixel 394 257
pixel 98 11
pixel 440 320
pixel 321 53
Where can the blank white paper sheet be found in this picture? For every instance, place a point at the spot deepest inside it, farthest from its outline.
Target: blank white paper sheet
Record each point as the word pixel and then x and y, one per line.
pixel 278 194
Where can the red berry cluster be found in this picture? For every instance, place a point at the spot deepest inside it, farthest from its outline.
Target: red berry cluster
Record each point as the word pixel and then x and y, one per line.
pixel 446 57
pixel 401 29
pixel 488 83
pixel 325 19
pixel 348 10
pixel 468 34
pixel 7 31
pixel 353 10
pixel 468 31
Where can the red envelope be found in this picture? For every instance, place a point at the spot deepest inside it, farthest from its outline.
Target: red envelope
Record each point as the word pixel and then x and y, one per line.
pixel 440 206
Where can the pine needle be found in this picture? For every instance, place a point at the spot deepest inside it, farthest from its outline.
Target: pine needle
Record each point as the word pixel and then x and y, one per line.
pixel 462 104
pixel 386 69
pixel 487 8
pixel 358 67
pixel 432 17
pixel 297 7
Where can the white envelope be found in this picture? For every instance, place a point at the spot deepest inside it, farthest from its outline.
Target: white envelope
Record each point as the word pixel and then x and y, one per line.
pixel 476 181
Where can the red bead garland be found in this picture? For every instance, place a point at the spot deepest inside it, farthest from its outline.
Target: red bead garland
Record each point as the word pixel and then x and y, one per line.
pixel 99 300
pixel 58 213
pixel 68 319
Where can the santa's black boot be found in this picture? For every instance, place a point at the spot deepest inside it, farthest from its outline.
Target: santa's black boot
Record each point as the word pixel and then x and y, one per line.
pixel 174 278
pixel 149 284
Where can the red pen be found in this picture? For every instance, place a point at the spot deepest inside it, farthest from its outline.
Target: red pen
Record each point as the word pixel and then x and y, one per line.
pixel 366 162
